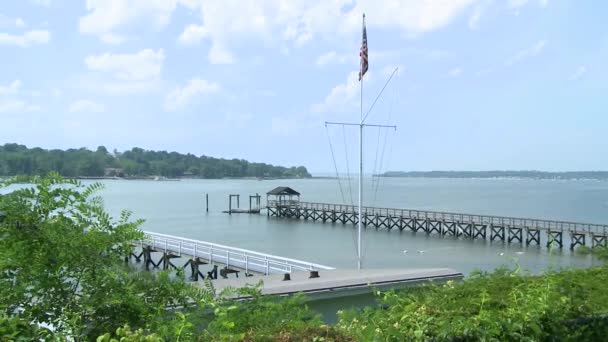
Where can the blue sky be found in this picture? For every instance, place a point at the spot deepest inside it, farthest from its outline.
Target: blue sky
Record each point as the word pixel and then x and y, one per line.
pixel 481 85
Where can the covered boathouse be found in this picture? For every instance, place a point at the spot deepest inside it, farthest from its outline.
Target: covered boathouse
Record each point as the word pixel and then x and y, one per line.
pixel 282 196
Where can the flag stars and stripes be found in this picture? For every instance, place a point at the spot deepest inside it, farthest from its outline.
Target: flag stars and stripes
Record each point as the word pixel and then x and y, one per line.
pixel 363 53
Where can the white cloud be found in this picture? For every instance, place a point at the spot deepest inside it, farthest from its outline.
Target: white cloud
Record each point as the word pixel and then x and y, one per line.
pixel 85 106
pixel 578 73
pixel 410 16
pixel 474 18
pixel 334 58
pixel 180 97
pixel 18 106
pixel 300 21
pixel 532 51
pixel 478 11
pixel 120 74
pixel 455 72
pixel 340 98
pixel 296 22
pixel 19 23
pixel 11 89
pixel 26 39
pixel 192 34
pixel 105 17
pixel 144 65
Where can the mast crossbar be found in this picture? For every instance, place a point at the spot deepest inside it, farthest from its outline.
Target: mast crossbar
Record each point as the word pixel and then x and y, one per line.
pixel 358 124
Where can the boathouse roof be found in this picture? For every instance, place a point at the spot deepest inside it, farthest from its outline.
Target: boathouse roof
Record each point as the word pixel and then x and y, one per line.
pixel 283 190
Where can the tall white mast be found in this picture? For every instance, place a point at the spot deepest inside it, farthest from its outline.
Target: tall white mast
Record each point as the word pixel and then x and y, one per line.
pixel 362 124
pixel 363 65
pixel 360 225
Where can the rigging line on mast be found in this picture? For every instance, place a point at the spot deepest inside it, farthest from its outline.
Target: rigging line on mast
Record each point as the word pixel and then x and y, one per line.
pixel 381 163
pixel 394 103
pixel 379 94
pixel 390 155
pixel 382 156
pixel 375 179
pixel 375 164
pixel 390 113
pixel 331 148
pixel 350 190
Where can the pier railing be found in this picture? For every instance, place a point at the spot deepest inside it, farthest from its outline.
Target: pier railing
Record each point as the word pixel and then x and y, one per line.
pixel 589 228
pixel 232 257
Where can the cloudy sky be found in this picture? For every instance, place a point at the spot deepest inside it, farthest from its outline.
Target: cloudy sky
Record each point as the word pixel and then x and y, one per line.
pixel 481 84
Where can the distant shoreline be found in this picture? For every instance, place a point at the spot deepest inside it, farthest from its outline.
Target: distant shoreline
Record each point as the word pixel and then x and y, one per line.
pixel 153 178
pixel 534 175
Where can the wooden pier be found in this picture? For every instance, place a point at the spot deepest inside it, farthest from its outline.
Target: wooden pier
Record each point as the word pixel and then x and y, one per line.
pixel 169 249
pixel 494 228
pixel 254 205
pixel 280 276
pixel 341 282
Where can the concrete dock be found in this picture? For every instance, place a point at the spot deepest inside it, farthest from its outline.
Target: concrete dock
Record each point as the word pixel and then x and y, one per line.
pixel 340 282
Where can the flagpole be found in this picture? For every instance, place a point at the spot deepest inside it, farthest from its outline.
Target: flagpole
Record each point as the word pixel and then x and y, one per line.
pixel 363 69
pixel 360 178
pixel 360 225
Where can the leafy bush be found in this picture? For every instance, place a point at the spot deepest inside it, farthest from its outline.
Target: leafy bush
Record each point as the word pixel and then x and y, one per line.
pixel 500 306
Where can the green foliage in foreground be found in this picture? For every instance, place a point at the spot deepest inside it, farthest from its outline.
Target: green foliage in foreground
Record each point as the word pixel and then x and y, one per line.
pixel 19 160
pixel 62 278
pixel 499 306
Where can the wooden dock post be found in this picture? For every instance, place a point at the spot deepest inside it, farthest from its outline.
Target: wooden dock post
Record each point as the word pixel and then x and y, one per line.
pixel 254 205
pixel 207 202
pixel 576 238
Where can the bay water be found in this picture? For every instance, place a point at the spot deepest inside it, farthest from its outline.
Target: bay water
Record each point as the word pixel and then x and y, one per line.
pixel 178 208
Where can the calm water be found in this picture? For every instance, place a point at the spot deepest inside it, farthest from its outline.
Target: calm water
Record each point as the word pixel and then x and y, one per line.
pixel 178 208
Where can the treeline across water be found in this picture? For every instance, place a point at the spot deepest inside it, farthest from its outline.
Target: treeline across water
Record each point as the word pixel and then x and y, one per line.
pixel 17 159
pixel 598 175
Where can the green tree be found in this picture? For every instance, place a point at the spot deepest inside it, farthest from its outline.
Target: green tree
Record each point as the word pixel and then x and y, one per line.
pixel 61 263
pixel 19 160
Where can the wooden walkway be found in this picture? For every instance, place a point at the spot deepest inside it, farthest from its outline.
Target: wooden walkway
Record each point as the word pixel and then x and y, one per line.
pixel 341 282
pixel 493 228
pixel 198 253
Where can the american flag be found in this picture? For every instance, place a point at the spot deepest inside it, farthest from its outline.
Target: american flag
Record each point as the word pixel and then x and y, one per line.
pixel 363 52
